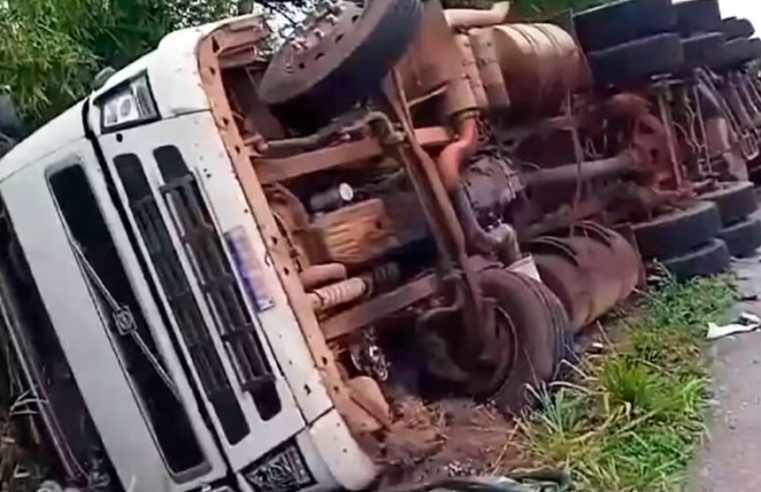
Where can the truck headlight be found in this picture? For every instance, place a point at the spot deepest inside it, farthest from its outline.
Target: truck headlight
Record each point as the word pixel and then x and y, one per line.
pixel 284 469
pixel 128 104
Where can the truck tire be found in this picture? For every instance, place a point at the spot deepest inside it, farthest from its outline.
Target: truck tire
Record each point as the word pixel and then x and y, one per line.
pixel 735 28
pixel 735 201
pixel 703 50
pixel 536 357
pixel 637 60
pixel 738 52
pixel 622 21
pixel 710 259
pixel 698 16
pixel 305 90
pixel 565 336
pixel 743 238
pixel 679 232
pixel 561 323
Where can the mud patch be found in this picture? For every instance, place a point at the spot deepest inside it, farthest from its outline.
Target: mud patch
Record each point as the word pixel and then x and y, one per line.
pixel 445 439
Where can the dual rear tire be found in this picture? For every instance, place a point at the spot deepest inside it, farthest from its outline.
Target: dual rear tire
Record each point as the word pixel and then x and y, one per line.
pixel 628 42
pixel 701 239
pixel 685 241
pixel 741 222
pixel 542 332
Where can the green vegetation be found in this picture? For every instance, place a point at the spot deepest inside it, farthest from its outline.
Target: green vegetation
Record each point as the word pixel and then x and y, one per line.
pixel 529 7
pixel 51 49
pixel 547 8
pixel 633 417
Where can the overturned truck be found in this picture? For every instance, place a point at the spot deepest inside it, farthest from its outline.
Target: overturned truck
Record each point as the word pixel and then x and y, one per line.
pixel 225 269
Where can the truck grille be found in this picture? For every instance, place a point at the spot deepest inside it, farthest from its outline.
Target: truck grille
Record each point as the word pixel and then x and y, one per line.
pixel 175 284
pixel 205 251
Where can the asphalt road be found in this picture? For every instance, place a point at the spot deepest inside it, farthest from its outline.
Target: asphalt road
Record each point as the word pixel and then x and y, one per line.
pixel 730 460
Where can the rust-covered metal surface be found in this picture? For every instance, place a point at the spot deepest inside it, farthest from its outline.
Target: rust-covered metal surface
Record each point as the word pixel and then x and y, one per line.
pixel 483 144
pixel 211 52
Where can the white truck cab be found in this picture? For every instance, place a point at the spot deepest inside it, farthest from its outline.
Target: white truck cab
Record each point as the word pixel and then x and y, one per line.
pixel 133 251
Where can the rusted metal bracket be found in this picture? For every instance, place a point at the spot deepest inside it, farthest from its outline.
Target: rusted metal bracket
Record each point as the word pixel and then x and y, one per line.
pixel 379 307
pixel 376 309
pixel 440 214
pixel 273 170
pixel 621 164
pixel 662 93
pixel 558 247
pixel 243 158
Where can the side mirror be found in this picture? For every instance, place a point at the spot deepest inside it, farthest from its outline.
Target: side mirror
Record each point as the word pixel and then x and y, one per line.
pixel 10 123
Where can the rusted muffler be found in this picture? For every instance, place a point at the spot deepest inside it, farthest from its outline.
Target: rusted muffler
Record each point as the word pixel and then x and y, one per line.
pixel 590 272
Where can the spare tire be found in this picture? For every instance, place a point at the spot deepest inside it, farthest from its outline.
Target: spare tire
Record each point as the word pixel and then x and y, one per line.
pixel 618 22
pixel 698 16
pixel 637 60
pixel 564 333
pixel 307 87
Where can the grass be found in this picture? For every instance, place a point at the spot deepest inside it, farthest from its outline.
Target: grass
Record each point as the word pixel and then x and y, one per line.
pixel 632 418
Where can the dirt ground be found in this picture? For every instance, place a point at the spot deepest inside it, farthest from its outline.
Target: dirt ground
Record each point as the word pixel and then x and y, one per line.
pixel 449 438
pixel 731 457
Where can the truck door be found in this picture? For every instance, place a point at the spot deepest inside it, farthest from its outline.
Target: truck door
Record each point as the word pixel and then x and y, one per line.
pixel 109 323
pixel 161 172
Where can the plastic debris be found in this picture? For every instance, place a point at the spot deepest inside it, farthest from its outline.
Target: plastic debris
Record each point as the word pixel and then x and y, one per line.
pixel 746 323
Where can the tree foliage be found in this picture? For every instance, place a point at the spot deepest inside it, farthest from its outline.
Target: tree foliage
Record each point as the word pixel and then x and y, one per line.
pixel 51 49
pixel 545 8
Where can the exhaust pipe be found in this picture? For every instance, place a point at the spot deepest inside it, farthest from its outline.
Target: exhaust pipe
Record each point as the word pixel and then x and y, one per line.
pixel 454 154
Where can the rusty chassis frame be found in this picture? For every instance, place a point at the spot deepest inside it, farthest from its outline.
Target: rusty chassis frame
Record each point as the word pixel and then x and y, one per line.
pixel 231 46
pixel 229 40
